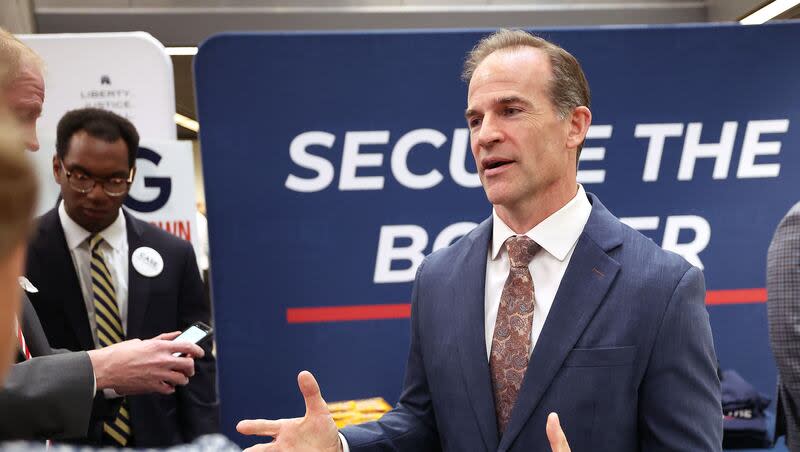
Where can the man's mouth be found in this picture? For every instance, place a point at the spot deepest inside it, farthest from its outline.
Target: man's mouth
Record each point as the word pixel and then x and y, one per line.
pixel 93 212
pixel 495 165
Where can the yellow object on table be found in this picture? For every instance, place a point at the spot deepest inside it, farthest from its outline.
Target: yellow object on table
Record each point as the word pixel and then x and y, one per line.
pixel 353 412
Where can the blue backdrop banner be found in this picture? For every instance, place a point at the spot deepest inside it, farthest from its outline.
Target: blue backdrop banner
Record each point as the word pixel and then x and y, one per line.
pixel 334 162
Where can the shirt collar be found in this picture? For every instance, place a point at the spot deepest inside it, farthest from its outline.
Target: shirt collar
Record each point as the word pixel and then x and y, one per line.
pixel 556 234
pixel 114 234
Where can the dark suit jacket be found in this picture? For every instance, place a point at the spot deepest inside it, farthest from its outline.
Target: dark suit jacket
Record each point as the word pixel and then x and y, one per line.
pixel 170 301
pixel 48 396
pixel 625 356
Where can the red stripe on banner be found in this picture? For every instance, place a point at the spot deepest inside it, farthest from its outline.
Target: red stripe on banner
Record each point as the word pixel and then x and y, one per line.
pixel 403 311
pixel 736 296
pixel 348 313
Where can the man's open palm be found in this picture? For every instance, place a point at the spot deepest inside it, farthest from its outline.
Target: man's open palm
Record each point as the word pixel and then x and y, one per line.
pixel 314 432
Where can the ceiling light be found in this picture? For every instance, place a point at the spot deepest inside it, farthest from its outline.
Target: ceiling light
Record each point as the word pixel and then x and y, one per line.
pixel 186 122
pixel 768 12
pixel 181 51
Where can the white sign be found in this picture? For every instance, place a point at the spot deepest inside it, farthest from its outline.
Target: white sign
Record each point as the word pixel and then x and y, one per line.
pixel 127 73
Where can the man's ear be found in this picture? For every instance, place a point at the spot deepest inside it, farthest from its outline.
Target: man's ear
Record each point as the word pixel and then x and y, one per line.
pixel 56 169
pixel 579 122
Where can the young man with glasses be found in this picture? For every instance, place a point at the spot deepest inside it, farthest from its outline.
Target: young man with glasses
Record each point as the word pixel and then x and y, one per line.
pixel 104 276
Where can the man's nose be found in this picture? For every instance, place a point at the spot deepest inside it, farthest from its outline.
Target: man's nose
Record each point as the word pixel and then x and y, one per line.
pixel 31 140
pixel 97 192
pixel 490 132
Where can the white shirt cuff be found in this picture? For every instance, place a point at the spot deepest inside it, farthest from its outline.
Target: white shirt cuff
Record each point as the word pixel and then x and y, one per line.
pixel 94 378
pixel 345 446
pixel 107 393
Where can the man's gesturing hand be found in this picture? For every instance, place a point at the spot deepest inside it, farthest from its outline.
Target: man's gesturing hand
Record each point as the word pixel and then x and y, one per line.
pixel 556 436
pixel 314 432
pixel 139 367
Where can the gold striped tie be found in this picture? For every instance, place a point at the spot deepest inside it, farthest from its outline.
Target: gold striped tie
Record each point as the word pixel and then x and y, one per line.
pixel 109 332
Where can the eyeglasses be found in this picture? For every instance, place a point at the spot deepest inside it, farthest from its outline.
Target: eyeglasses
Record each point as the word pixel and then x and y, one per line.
pixel 82 182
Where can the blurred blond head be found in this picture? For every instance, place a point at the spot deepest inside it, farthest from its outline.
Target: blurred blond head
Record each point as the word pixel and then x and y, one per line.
pixel 14 56
pixel 18 192
pixel 21 85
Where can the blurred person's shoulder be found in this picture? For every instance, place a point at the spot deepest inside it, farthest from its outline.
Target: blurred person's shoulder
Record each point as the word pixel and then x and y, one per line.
pixel 206 443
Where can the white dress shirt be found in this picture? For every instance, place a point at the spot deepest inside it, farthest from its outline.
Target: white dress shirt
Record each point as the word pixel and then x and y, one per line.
pixel 114 250
pixel 557 236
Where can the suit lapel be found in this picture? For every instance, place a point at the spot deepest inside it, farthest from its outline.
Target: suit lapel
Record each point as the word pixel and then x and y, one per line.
pixel 583 288
pixel 66 287
pixel 468 290
pixel 138 285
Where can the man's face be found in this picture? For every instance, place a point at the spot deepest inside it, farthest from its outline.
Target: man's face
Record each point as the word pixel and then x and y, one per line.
pixel 25 96
pixel 517 138
pixel 88 156
pixel 11 267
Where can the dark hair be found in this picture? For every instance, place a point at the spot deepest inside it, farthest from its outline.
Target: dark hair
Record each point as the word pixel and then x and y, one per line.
pixel 102 124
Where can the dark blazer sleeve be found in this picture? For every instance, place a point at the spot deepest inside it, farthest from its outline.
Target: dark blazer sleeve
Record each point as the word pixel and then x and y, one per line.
pixel 411 425
pixel 680 401
pixel 197 402
pixel 49 396
pixel 783 311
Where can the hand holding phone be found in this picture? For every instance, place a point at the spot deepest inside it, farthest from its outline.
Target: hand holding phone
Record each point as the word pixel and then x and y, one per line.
pixel 197 333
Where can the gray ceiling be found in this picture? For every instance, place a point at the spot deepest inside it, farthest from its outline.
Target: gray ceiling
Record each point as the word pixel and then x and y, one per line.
pixel 178 22
pixel 189 22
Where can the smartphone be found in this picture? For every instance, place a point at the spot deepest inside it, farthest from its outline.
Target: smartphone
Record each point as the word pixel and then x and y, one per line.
pixel 196 334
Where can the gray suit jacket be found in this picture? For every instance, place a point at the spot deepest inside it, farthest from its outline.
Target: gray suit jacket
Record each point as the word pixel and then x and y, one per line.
pixel 49 396
pixel 783 310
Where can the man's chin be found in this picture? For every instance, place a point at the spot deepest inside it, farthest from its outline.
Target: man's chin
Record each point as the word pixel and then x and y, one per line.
pixel 496 196
pixel 93 225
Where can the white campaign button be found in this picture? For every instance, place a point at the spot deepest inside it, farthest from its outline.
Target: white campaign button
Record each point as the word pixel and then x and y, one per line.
pixel 147 261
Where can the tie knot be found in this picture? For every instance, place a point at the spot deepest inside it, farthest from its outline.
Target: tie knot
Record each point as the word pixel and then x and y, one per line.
pixel 94 242
pixel 521 250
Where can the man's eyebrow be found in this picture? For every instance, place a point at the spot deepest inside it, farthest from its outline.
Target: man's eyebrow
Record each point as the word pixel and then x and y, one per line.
pixel 512 100
pixel 30 105
pixel 507 100
pixel 77 167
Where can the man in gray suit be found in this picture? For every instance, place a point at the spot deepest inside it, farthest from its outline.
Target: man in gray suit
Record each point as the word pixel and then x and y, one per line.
pixel 783 310
pixel 49 394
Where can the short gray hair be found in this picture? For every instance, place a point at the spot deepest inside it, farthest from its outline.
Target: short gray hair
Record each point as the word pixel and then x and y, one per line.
pixel 568 87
